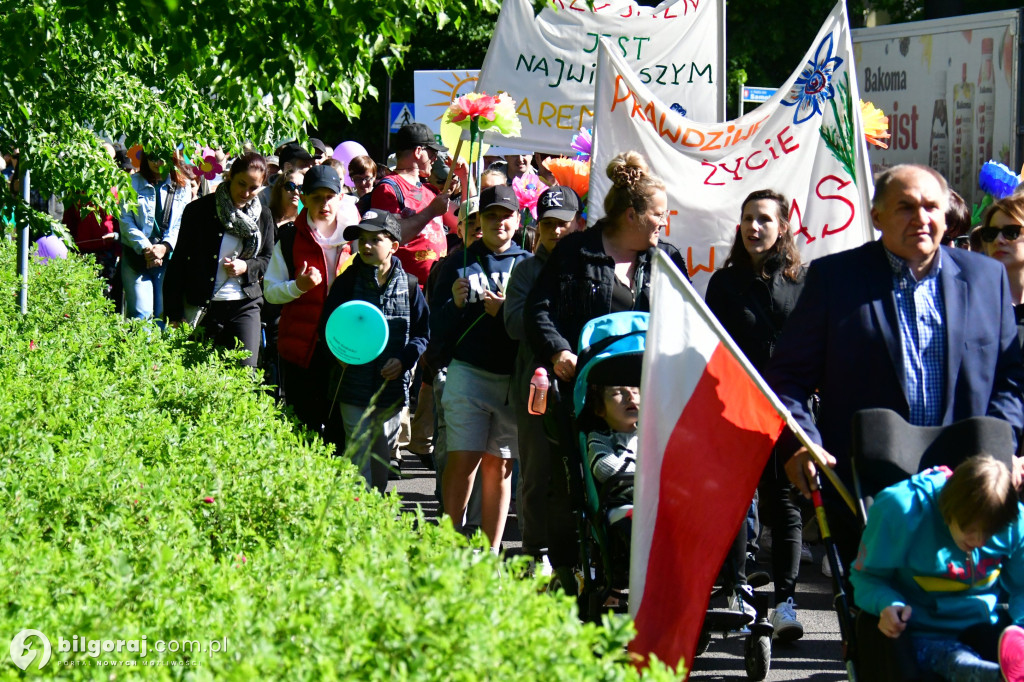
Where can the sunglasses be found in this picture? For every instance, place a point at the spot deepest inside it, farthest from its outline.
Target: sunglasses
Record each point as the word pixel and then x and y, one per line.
pixel 963 242
pixel 291 187
pixel 989 234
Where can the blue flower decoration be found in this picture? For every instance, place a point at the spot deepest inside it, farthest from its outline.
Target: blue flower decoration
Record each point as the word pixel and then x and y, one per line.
pixel 678 108
pixel 814 85
pixel 997 179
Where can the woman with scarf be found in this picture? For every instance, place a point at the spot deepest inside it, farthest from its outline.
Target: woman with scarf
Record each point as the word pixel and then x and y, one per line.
pixel 224 247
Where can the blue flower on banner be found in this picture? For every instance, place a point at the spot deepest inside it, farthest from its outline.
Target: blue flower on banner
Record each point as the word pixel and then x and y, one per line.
pixel 678 108
pixel 814 85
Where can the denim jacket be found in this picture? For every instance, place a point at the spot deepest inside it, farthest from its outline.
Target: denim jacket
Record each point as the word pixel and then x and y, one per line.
pixel 138 227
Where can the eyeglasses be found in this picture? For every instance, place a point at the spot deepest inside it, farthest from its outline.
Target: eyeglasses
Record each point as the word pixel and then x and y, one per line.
pixel 963 242
pixel 989 234
pixel 291 187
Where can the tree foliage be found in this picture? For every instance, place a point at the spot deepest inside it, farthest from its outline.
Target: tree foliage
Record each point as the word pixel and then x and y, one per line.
pixel 185 72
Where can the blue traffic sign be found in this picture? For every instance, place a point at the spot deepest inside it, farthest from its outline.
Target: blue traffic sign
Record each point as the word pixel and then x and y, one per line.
pixel 752 94
pixel 401 114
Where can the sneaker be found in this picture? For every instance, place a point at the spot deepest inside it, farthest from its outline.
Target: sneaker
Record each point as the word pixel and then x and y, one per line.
pixel 805 554
pixel 826 568
pixel 787 627
pixel 1011 654
pixel 737 603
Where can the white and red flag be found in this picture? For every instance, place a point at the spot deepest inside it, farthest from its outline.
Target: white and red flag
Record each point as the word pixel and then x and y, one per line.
pixel 708 422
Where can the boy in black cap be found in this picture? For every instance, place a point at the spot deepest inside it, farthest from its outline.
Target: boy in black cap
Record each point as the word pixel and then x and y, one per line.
pixel 467 313
pixel 377 277
pixel 558 214
pixel 417 207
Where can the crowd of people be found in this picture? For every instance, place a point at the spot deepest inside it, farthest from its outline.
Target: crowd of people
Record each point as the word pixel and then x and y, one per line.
pixel 476 302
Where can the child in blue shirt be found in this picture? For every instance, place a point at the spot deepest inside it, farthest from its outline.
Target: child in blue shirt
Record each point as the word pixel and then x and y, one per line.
pixel 937 550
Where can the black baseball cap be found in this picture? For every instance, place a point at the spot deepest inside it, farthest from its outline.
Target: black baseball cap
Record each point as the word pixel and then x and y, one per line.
pixel 293 152
pixel 415 135
pixel 375 221
pixel 318 145
pixel 558 202
pixel 499 195
pixel 321 176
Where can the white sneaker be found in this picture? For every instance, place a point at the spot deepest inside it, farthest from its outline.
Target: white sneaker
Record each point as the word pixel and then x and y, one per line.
pixel 805 554
pixel 736 603
pixel 783 619
pixel 826 568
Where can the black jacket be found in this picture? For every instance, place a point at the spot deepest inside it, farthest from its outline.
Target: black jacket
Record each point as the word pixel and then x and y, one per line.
pixel 753 309
pixel 576 286
pixel 192 270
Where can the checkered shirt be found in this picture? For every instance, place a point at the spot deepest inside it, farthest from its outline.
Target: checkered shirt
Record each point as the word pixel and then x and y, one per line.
pixel 921 314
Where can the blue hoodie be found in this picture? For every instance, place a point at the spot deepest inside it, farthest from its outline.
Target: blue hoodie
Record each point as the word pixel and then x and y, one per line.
pixel 908 557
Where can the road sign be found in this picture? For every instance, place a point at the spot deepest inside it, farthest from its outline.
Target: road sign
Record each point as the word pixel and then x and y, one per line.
pixel 752 94
pixel 401 114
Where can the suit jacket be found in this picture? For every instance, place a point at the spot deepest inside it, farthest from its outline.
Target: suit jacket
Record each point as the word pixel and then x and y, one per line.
pixel 843 338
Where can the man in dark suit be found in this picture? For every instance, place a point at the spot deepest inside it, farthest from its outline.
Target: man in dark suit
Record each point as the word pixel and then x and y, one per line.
pixel 900 323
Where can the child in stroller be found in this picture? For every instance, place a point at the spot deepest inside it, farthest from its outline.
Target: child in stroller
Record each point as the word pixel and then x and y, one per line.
pixel 611 456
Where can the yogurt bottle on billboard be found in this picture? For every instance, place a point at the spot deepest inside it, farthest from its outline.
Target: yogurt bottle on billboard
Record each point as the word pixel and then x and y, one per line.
pixel 984 112
pixel 938 149
pixel 964 177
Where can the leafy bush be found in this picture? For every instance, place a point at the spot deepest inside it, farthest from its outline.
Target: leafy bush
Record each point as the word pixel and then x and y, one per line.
pixel 151 488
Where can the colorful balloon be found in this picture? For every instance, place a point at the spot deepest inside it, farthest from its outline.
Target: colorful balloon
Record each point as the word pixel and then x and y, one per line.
pixel 345 152
pixel 357 332
pixel 50 246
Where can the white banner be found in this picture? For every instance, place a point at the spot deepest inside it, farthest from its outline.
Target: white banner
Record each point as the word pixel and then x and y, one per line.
pixel 793 144
pixel 548 62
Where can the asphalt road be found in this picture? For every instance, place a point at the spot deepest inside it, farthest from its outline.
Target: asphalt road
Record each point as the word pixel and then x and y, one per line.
pixel 817 656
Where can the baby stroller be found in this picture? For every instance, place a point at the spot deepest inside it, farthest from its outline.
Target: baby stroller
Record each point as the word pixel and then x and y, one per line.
pixel 611 351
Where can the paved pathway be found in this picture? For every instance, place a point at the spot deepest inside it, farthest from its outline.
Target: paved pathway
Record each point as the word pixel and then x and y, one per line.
pixel 815 657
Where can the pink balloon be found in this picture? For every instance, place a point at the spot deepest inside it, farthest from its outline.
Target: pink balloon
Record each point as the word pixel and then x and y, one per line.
pixel 345 152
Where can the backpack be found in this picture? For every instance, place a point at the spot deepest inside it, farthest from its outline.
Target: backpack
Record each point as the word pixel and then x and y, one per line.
pixel 364 201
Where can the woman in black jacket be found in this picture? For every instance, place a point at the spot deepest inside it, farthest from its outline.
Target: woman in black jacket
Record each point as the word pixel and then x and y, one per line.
pixel 752 295
pixel 224 247
pixel 604 269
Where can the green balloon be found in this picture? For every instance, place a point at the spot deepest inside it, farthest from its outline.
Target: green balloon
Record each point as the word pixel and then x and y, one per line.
pixel 357 332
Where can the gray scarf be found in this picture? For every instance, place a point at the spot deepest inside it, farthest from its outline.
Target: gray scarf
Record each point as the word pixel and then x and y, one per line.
pixel 240 222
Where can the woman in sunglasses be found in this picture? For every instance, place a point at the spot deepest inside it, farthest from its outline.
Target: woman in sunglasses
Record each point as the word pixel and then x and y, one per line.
pixel 284 198
pixel 1000 237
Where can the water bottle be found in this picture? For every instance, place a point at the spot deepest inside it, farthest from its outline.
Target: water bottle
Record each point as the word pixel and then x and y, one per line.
pixel 539 392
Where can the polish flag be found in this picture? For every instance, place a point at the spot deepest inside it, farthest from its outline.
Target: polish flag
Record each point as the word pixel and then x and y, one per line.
pixel 707 426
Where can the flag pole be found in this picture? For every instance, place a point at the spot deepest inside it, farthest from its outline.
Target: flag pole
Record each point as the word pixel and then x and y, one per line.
pixel 801 435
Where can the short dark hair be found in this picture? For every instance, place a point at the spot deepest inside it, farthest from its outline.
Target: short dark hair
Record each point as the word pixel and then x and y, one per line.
pixel 980 494
pixel 958 217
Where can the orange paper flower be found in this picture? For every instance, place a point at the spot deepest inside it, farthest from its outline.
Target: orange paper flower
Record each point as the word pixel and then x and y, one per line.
pixel 570 173
pixel 876 124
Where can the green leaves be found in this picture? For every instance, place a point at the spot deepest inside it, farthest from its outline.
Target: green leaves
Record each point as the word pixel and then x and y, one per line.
pixel 112 437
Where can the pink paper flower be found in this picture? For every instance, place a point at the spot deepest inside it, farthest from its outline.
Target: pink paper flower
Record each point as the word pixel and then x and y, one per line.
pixel 528 189
pixel 207 166
pixel 473 107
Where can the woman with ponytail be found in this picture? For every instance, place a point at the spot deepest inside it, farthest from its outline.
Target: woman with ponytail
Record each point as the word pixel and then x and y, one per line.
pixel 603 269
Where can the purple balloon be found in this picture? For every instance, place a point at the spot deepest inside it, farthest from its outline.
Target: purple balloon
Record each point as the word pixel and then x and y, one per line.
pixel 345 152
pixel 49 247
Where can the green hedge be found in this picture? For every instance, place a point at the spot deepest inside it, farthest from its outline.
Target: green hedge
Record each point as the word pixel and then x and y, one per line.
pixel 148 488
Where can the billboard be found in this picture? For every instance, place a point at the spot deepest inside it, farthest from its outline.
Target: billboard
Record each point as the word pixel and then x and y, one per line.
pixel 951 90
